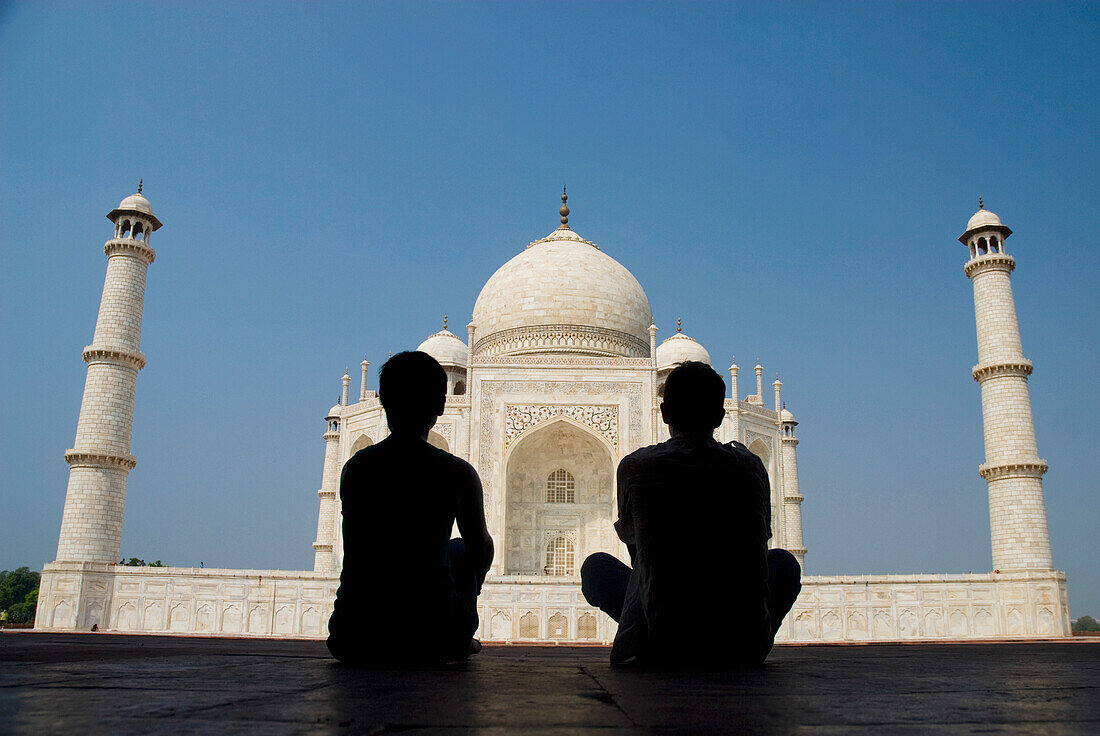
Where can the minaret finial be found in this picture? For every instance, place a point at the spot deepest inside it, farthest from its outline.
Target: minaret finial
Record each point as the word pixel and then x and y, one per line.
pixel 679 325
pixel 141 183
pixel 564 211
pixel 981 205
pixel 444 322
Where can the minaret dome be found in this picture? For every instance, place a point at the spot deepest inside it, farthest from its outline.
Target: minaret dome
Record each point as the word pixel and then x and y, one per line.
pixel 134 218
pixel 985 233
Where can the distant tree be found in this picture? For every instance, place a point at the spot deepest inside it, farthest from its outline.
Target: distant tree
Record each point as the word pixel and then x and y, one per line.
pixel 19 594
pixel 23 612
pixel 135 562
pixel 1086 623
pixel 15 584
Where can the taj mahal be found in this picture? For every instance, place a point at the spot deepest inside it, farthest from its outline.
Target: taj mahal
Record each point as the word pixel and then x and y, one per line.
pixel 558 376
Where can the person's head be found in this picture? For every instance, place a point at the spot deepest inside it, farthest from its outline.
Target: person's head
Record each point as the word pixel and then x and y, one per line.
pixel 694 398
pixel 413 390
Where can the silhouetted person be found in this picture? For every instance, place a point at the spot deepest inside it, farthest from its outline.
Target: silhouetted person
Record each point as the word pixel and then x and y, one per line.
pixel 695 516
pixel 408 592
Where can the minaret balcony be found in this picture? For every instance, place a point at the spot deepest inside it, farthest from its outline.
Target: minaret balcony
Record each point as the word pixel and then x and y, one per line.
pixel 115 356
pixel 1021 368
pixel 93 459
pixel 1025 469
pixel 989 262
pixel 129 247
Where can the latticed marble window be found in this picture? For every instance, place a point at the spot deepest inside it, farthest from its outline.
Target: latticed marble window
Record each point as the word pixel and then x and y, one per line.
pixel 559 557
pixel 560 487
pixel 559 626
pixel 529 626
pixel 586 626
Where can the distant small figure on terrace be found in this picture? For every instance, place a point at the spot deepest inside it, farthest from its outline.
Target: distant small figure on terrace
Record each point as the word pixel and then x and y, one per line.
pixel 408 592
pixel 695 515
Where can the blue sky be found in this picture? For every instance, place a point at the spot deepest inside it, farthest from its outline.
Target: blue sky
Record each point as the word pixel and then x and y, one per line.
pixel 788 178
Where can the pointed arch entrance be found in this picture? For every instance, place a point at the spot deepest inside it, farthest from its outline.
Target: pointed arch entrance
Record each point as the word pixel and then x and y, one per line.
pixel 559 481
pixel 361 442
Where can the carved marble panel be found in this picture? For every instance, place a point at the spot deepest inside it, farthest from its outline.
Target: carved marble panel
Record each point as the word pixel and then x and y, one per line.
pixel 601 418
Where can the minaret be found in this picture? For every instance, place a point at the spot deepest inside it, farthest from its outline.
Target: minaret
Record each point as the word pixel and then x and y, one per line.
pixel 792 497
pixel 654 399
pixel 735 415
pixel 324 549
pixel 363 380
pixel 345 381
pixel 1012 467
pixel 100 461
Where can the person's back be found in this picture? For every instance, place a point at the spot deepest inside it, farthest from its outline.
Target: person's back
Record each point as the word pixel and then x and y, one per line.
pixel 695 516
pixel 407 591
pixel 699 512
pixel 397 597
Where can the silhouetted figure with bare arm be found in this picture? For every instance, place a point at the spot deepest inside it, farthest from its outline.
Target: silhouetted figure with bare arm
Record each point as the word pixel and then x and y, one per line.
pixel 408 592
pixel 695 516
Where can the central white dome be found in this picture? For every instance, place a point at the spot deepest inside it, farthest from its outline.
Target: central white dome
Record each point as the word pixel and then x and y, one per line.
pixel 562 295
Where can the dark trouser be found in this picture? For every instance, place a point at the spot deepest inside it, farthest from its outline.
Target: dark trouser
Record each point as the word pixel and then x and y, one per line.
pixel 604 579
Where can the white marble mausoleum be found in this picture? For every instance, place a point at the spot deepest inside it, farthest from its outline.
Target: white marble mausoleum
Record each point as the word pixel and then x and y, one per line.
pixel 558 378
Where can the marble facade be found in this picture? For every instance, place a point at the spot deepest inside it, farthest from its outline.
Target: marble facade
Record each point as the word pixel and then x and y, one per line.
pixel 558 379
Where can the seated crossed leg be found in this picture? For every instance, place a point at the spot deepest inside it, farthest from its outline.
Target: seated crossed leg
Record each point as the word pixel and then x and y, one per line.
pixel 604 579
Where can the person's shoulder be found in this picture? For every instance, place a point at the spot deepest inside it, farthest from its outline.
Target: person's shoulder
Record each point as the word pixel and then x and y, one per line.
pixel 742 454
pixel 642 455
pixel 453 463
pixel 736 448
pixel 360 457
pixel 456 462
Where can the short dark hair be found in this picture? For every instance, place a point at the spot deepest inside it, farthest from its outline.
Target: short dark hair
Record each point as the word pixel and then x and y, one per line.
pixel 413 387
pixel 694 397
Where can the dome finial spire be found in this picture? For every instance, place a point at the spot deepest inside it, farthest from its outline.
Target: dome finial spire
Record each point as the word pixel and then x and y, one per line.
pixel 564 211
pixel 981 205
pixel 444 321
pixel 679 325
pixel 141 182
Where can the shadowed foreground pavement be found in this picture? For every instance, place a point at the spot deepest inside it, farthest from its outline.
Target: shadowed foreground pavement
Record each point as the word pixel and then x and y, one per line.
pixel 107 683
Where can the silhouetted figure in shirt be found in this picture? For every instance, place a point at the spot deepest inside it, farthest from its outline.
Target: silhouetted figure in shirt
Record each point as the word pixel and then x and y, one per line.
pixel 695 515
pixel 408 592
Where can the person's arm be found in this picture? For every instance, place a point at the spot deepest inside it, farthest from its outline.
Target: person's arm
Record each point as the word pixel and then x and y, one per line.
pixel 763 495
pixel 624 527
pixel 471 520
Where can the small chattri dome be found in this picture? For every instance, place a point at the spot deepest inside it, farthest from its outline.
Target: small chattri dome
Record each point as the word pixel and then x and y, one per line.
pixel 446 347
pixel 787 417
pixel 136 202
pixel 679 349
pixel 983 218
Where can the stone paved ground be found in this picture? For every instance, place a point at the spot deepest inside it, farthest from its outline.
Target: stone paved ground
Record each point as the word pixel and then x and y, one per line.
pixel 106 683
